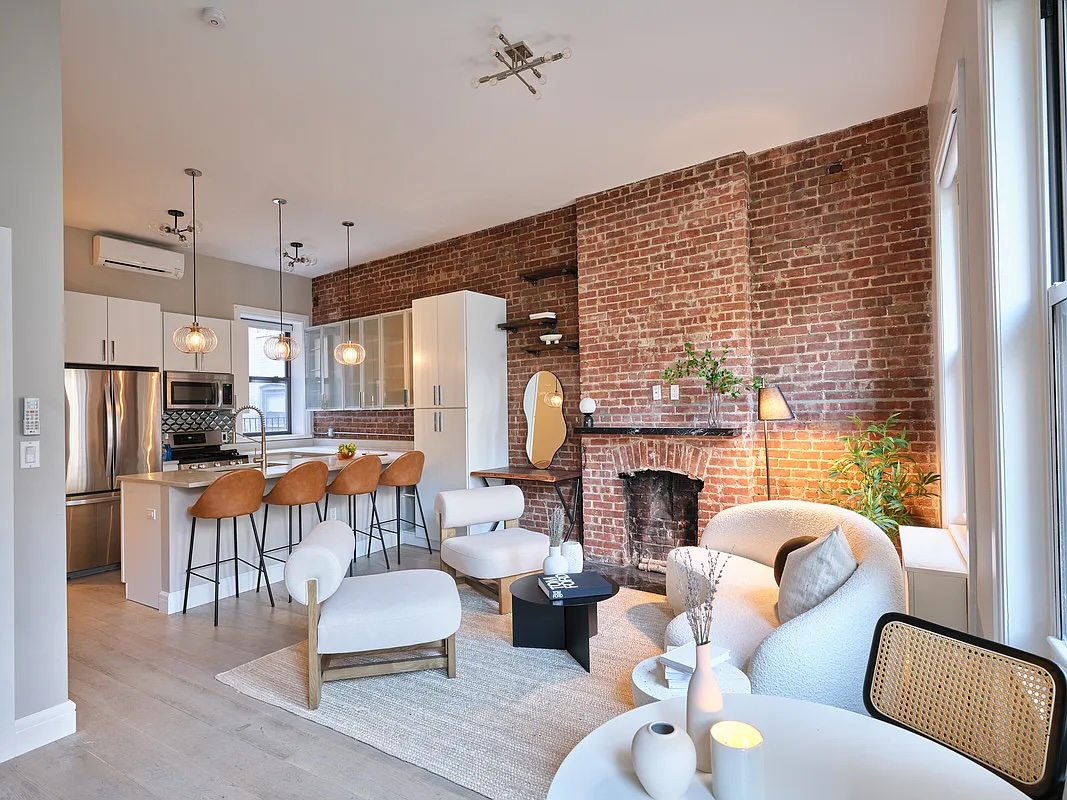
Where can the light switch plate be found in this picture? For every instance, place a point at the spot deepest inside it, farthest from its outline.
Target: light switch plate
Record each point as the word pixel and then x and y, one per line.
pixel 29 455
pixel 675 392
pixel 657 392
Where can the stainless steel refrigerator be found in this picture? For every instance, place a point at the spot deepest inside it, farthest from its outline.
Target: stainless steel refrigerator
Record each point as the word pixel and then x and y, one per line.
pixel 113 428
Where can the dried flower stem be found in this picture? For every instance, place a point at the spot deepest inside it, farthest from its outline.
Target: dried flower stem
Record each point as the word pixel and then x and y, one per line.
pixel 702 577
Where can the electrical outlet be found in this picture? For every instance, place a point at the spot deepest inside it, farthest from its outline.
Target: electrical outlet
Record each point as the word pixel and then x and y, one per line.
pixel 151 513
pixel 675 392
pixel 657 393
pixel 333 513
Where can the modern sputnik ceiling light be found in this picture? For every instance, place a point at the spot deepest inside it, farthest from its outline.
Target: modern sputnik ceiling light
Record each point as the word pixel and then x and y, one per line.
pixel 306 260
pixel 350 353
pixel 518 58
pixel 194 338
pixel 281 347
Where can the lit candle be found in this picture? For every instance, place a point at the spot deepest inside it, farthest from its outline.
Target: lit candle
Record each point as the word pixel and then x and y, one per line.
pixel 736 761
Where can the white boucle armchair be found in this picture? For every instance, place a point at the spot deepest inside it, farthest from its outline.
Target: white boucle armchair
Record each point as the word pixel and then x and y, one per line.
pixel 820 655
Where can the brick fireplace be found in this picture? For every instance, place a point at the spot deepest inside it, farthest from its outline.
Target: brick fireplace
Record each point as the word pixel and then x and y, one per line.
pixel 812 261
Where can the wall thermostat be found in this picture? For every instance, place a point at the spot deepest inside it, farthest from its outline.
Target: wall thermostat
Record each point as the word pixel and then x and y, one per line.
pixel 31 416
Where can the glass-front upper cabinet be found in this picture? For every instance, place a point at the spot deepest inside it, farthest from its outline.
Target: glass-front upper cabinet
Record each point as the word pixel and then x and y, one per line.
pixel 353 376
pixel 372 365
pixel 396 359
pixel 333 385
pixel 313 395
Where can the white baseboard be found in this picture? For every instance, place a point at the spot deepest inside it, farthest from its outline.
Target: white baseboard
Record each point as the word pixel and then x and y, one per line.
pixel 44 727
pixel 202 593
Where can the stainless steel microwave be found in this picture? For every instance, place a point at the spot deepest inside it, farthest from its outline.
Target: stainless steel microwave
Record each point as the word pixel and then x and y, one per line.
pixel 197 391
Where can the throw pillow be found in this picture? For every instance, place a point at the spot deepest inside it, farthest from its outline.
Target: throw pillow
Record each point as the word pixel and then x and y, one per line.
pixel 783 553
pixel 813 573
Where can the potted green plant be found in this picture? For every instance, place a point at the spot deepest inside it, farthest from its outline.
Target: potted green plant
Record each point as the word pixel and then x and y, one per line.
pixel 878 476
pixel 718 380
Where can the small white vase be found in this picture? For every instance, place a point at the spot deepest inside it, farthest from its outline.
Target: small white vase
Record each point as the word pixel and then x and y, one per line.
pixel 572 551
pixel 664 759
pixel 555 564
pixel 703 706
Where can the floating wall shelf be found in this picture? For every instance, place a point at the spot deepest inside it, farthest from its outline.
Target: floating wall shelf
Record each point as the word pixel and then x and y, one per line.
pixel 537 349
pixel 519 324
pixel 550 272
pixel 637 430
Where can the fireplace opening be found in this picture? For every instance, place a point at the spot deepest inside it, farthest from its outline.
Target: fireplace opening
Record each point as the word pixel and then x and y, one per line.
pixel 661 514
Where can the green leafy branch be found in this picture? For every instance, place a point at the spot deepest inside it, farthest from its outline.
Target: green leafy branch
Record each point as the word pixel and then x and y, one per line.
pixel 717 378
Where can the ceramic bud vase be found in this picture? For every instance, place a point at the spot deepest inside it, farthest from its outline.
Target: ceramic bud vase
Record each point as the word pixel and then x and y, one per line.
pixel 664 759
pixel 703 706
pixel 572 551
pixel 555 564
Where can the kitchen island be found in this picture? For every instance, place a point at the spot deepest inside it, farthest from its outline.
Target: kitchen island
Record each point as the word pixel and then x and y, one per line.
pixel 156 529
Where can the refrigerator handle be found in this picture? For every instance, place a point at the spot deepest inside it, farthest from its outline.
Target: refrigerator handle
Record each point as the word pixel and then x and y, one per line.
pixel 103 350
pixel 112 350
pixel 111 432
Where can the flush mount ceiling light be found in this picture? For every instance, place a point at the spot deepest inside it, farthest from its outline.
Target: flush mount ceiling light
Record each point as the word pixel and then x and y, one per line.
pixel 349 353
pixel 282 346
pixel 194 338
pixel 291 260
pixel 518 58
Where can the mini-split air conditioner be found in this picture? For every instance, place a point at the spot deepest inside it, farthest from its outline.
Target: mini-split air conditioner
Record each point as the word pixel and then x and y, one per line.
pixel 119 254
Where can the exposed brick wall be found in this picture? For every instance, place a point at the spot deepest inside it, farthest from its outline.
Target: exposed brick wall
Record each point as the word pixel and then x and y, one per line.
pixel 488 261
pixel 811 260
pixel 842 291
pixel 659 262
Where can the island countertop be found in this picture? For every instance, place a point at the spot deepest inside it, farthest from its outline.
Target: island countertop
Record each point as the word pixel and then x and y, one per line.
pixel 278 464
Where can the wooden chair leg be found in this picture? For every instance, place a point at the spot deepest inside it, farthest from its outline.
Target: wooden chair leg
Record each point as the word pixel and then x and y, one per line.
pixel 314 659
pixel 450 652
pixel 505 593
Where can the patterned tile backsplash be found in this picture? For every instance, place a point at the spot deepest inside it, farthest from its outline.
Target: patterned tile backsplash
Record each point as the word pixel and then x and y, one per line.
pixel 175 421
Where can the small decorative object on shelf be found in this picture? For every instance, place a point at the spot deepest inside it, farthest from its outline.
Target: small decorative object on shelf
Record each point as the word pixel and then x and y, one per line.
pixel 346 451
pixel 575 555
pixel 718 380
pixel 587 407
pixel 555 564
pixel 703 705
pixel 664 759
pixel 737 761
pixel 551 338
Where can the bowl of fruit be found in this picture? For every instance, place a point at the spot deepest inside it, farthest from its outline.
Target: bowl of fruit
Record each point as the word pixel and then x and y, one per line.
pixel 346 451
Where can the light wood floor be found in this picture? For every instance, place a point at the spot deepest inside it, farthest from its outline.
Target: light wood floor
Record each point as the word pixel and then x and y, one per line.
pixel 154 723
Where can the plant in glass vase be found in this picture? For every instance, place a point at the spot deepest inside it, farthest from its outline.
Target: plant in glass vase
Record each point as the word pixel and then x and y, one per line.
pixel 718 380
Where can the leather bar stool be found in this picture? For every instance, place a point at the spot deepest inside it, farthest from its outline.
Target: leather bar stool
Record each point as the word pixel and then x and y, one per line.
pixel 302 485
pixel 405 472
pixel 235 494
pixel 357 479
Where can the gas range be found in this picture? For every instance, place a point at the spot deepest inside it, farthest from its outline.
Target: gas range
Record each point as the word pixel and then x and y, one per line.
pixel 203 450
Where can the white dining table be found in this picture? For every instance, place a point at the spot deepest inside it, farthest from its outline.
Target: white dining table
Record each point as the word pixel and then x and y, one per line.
pixel 811 752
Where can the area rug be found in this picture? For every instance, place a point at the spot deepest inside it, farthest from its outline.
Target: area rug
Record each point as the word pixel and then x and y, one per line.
pixel 505 723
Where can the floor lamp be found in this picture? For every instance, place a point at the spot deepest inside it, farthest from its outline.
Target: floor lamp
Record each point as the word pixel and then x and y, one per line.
pixel 772 407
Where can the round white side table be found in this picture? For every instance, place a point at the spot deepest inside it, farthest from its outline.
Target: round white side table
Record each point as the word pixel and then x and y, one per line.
pixel 649 686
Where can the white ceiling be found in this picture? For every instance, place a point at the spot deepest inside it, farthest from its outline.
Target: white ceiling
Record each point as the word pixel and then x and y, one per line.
pixel 364 110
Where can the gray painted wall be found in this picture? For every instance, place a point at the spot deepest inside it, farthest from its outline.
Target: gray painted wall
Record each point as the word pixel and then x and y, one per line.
pixel 31 204
pixel 220 284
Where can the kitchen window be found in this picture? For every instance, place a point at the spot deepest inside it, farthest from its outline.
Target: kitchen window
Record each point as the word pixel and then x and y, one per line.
pixel 269 385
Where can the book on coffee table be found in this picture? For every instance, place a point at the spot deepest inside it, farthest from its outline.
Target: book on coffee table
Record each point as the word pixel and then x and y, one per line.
pixel 573 586
pixel 683 659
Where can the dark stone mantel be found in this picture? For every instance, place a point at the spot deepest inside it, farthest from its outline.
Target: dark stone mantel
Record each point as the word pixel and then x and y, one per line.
pixel 638 430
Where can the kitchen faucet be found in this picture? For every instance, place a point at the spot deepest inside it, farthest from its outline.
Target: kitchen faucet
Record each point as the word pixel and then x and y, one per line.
pixel 262 434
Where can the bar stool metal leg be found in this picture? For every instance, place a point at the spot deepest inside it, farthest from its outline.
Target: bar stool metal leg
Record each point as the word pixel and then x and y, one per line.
pixel 418 501
pixel 398 526
pixel 218 545
pixel 262 562
pixel 189 566
pixel 236 574
pixel 376 520
pixel 262 548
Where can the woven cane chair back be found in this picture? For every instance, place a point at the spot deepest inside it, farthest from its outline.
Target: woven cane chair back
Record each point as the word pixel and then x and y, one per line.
pixel 1001 707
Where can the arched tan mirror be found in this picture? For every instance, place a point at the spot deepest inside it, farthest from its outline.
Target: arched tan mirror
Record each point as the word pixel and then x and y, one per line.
pixel 546 429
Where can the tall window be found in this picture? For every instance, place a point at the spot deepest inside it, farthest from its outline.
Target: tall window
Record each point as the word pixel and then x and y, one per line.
pixel 269 385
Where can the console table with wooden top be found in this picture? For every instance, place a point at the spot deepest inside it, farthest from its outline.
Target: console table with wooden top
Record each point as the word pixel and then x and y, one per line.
pixel 552 476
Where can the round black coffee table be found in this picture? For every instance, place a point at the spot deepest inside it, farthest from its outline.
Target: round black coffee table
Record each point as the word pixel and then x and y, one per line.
pixel 567 625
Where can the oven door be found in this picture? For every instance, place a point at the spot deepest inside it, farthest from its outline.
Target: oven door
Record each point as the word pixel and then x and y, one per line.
pixel 198 391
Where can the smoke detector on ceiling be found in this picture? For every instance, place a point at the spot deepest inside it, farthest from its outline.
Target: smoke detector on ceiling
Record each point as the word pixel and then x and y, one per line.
pixel 213 17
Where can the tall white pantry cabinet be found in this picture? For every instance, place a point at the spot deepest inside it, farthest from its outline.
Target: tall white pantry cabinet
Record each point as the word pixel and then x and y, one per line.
pixel 460 376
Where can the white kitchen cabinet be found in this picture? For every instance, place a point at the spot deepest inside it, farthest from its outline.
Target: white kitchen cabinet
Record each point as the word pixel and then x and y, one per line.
pixel 112 331
pixel 370 337
pixel 218 360
pixel 324 381
pixel 383 380
pixel 460 374
pixel 396 359
pixel 85 328
pixel 239 361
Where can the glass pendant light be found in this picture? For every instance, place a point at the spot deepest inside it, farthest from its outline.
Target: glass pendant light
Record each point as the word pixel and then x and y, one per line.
pixel 282 347
pixel 195 338
pixel 349 353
